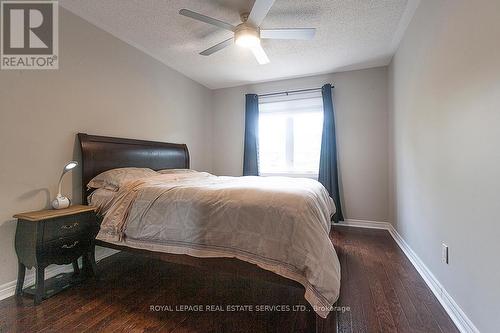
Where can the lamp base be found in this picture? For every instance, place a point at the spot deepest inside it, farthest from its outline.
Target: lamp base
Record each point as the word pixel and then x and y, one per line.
pixel 60 202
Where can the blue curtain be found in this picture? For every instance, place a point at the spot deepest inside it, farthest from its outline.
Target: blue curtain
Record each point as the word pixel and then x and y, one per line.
pixel 251 152
pixel 328 169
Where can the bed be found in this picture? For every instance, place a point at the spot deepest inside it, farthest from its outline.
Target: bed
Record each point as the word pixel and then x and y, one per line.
pixel 101 154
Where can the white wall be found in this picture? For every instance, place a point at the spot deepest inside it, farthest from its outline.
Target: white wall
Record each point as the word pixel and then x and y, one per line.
pixel 103 86
pixel 360 99
pixel 445 124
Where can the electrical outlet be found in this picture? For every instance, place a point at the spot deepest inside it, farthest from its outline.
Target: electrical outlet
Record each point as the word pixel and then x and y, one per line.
pixel 444 253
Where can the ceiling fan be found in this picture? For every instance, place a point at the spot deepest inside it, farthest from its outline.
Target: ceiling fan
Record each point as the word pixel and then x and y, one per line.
pixel 248 33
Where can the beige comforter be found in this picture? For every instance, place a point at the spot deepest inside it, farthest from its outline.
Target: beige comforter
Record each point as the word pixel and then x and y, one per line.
pixel 280 224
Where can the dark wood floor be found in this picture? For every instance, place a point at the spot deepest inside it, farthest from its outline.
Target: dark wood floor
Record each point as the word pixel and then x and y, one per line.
pixel 383 291
pixel 382 288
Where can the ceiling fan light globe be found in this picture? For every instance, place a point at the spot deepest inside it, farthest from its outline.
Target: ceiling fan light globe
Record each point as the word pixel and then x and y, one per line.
pixel 246 36
pixel 247 40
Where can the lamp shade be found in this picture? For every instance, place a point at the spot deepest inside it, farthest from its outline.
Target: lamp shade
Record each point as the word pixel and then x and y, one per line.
pixel 70 165
pixel 61 201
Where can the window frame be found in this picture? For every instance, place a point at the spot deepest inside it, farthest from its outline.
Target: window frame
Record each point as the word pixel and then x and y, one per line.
pixel 289 131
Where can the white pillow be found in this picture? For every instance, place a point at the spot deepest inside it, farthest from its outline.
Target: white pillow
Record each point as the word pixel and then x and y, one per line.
pixel 114 178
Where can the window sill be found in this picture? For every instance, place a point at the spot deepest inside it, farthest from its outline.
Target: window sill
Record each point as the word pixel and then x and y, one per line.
pixel 293 175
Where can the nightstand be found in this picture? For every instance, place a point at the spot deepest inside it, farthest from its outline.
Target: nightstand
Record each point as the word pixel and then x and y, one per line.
pixel 54 237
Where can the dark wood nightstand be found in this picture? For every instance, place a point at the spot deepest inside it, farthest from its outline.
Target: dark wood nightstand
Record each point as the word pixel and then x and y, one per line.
pixel 54 237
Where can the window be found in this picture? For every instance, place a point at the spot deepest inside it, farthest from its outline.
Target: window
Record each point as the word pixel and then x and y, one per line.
pixel 290 130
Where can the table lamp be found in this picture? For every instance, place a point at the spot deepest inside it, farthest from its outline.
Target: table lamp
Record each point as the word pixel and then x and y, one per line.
pixel 61 201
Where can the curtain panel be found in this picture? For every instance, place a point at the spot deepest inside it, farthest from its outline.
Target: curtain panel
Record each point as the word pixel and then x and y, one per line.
pixel 328 168
pixel 251 147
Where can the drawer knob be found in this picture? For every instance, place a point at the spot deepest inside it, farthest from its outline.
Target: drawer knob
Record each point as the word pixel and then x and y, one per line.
pixel 70 226
pixel 70 246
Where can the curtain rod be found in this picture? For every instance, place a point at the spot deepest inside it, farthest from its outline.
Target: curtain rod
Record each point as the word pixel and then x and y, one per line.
pixel 286 93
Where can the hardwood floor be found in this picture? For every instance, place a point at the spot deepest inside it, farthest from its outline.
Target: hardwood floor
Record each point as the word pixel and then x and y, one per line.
pixel 383 289
pixel 380 287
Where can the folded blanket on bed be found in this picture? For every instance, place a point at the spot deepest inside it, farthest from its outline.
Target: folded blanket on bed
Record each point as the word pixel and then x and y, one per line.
pixel 278 223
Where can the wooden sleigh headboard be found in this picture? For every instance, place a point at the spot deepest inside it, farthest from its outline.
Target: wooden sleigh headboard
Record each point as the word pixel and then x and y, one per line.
pixel 102 153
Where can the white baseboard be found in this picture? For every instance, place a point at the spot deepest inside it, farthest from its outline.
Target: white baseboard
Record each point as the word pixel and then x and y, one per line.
pixel 9 289
pixel 463 323
pixel 366 224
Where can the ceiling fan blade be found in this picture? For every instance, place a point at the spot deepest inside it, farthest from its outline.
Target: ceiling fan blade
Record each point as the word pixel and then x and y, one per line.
pixel 259 11
pixel 305 33
pixel 260 54
pixel 206 19
pixel 217 47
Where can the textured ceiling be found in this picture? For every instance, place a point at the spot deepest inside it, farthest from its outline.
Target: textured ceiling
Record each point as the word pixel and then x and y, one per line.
pixel 351 34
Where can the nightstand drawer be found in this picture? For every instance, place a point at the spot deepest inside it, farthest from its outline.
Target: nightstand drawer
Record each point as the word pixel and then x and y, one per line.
pixel 65 247
pixel 65 227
